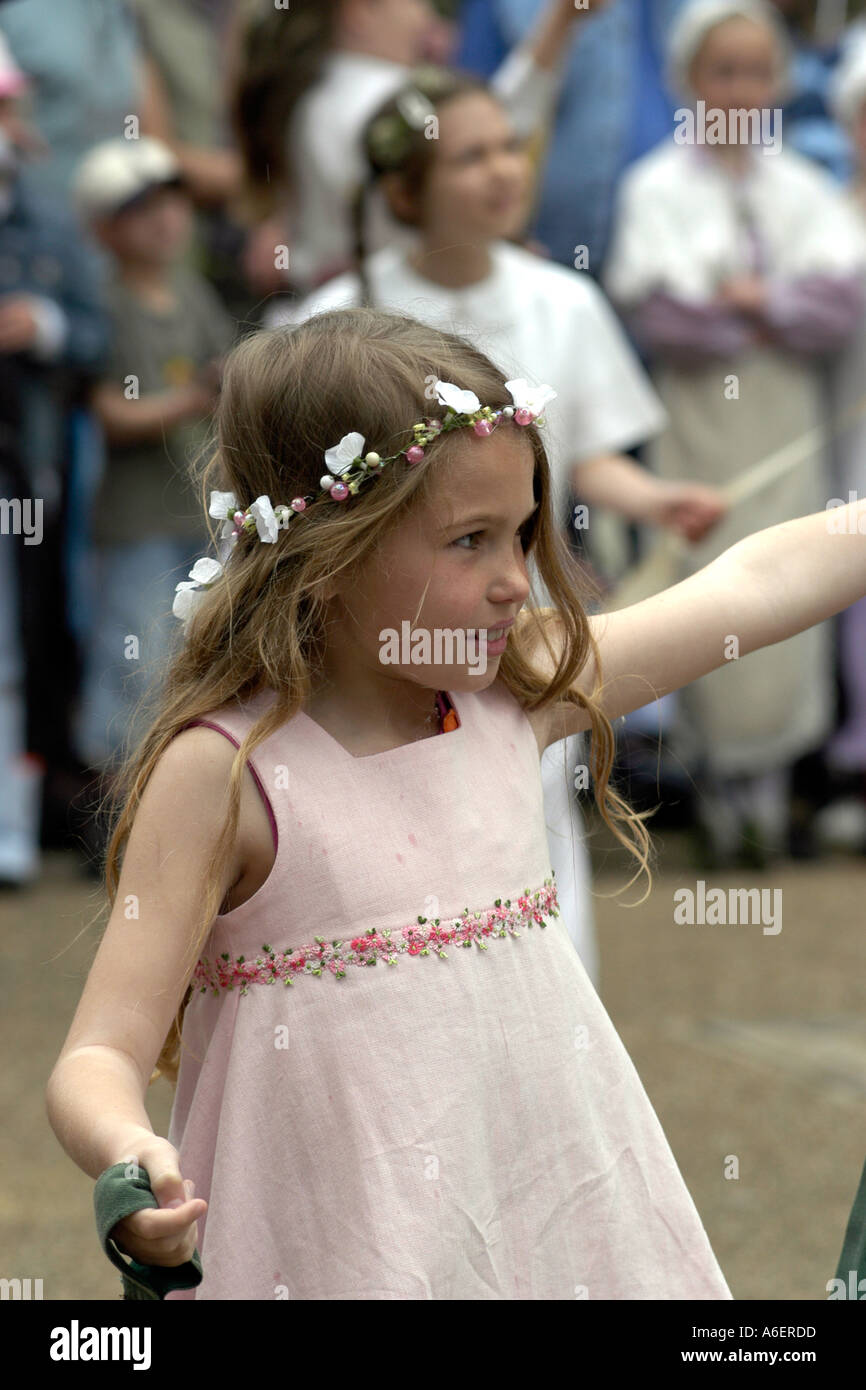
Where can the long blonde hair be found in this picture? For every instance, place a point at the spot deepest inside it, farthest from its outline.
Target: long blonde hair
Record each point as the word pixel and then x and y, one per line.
pixel 287 395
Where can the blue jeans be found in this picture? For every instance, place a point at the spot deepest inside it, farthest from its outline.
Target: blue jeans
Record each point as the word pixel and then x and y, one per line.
pixel 132 634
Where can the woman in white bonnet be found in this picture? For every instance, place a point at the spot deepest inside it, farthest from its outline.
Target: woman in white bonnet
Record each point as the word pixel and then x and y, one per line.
pixel 847 750
pixel 738 266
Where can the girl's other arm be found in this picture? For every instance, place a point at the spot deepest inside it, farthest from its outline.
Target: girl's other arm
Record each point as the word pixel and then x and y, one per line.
pixel 769 586
pixel 95 1095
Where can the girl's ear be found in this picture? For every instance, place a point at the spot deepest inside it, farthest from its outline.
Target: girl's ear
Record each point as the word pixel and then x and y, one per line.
pixel 401 199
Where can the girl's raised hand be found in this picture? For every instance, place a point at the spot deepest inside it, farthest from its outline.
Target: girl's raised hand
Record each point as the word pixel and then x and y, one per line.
pixel 167 1236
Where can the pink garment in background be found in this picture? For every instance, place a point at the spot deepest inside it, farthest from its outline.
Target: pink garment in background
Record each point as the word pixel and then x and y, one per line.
pixel 467 1127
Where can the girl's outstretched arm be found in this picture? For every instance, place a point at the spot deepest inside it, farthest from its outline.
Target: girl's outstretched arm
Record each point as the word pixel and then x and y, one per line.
pixel 765 588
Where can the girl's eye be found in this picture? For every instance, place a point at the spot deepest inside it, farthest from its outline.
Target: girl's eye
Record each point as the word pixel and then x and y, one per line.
pixel 525 533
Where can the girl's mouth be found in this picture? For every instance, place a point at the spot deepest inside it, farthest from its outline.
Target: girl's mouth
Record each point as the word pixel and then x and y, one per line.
pixel 496 638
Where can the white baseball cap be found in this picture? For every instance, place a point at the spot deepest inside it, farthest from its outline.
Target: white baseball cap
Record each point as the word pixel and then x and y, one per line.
pixel 116 172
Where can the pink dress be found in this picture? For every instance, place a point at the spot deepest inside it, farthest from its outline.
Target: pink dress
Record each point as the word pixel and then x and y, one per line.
pixel 397 1080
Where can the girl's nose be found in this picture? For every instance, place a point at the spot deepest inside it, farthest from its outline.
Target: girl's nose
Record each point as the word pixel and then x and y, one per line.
pixel 513 586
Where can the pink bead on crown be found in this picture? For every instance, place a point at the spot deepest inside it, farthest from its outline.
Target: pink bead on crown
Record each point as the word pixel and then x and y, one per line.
pixel 352 469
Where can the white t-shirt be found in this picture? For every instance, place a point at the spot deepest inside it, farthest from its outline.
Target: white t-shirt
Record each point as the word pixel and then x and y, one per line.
pixel 325 149
pixel 534 319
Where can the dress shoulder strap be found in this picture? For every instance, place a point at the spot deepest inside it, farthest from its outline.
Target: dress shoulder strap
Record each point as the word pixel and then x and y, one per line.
pixel 234 721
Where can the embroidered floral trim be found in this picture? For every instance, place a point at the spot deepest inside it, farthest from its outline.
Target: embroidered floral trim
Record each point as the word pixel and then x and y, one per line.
pixel 372 946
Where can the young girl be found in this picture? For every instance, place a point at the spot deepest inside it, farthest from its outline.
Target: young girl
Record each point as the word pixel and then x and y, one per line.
pixel 466 193
pixel 450 1123
pixel 739 267
pixel 308 77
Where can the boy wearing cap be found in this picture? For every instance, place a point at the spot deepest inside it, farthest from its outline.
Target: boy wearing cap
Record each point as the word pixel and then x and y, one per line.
pixel 169 334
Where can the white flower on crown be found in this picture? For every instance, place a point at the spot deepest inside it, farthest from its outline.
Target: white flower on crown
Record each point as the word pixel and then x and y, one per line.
pixel 526 397
pixel 341 457
pixel 262 513
pixel 461 402
pixel 189 592
pixel 223 506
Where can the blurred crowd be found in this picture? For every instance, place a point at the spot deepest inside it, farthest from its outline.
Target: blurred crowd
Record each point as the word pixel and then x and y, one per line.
pixel 175 174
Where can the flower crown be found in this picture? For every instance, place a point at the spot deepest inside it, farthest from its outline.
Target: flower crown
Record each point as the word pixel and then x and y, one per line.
pixel 353 469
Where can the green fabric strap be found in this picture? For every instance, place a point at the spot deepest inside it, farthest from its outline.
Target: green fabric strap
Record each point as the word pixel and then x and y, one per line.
pixel 853 1255
pixel 117 1196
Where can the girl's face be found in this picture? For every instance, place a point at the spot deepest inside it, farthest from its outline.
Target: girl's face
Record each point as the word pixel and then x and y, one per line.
pixel 455 563
pixel 737 67
pixel 479 182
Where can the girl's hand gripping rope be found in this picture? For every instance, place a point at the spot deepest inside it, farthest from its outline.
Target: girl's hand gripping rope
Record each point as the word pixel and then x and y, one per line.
pixel 167 1235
